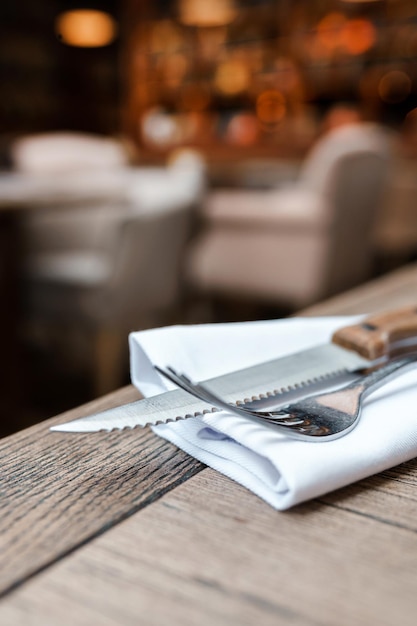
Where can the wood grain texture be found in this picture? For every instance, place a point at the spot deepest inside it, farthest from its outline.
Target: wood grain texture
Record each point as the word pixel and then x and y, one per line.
pixel 58 491
pixel 394 290
pixel 209 552
pixel 200 548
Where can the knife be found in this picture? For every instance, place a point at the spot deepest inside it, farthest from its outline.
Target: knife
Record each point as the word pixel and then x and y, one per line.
pixel 352 348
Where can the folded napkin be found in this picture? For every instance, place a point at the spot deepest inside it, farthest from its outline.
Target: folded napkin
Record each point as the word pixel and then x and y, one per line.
pixel 280 470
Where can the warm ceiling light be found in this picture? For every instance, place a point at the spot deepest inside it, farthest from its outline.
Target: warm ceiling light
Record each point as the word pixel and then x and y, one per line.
pixel 232 77
pixel 86 28
pixel 206 13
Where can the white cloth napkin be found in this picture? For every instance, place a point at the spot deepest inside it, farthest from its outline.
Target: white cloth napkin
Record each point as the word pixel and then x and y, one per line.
pixel 280 470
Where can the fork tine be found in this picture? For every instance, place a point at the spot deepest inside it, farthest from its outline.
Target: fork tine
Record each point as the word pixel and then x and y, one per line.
pixel 206 395
pixel 182 381
pixel 324 417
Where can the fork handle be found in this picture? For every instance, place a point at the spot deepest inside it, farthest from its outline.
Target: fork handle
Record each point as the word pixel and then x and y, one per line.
pixel 381 376
pixel 387 334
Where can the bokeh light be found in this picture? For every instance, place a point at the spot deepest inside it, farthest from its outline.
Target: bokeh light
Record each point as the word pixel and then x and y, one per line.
pixel 206 13
pixel 335 32
pixel 243 129
pixel 232 77
pixel 330 30
pixel 359 35
pixel 159 128
pixel 86 28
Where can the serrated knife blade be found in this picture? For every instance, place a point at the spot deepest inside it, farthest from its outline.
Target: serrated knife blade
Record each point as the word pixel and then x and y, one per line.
pixel 355 347
pixel 278 378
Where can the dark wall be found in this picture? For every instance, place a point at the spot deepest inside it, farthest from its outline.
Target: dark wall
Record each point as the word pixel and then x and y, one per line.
pixel 47 85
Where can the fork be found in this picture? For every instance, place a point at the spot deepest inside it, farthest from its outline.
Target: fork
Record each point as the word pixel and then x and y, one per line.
pixel 321 417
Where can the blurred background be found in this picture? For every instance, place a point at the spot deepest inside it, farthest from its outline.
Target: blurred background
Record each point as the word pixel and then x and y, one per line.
pixel 188 161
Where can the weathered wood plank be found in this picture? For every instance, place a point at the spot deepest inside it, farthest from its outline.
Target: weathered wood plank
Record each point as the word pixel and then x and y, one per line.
pixel 390 497
pixel 209 552
pixel 57 492
pixel 397 289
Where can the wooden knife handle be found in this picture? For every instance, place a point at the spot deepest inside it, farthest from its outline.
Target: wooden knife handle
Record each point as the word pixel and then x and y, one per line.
pixel 386 334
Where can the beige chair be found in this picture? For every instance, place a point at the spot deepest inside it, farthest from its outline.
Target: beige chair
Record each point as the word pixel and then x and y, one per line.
pixel 75 209
pixel 62 152
pixel 75 186
pixel 103 242
pixel 134 283
pixel 293 246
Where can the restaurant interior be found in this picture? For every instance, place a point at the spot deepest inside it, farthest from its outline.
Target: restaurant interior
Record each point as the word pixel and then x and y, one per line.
pixel 183 162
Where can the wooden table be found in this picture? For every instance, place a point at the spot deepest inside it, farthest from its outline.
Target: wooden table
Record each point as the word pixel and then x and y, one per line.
pixel 125 529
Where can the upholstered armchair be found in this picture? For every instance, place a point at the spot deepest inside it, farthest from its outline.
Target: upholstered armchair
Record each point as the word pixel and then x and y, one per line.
pixel 104 293
pixel 295 245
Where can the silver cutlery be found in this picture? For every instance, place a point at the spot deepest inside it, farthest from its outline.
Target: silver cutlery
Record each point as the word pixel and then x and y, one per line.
pixel 321 417
pixel 277 383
